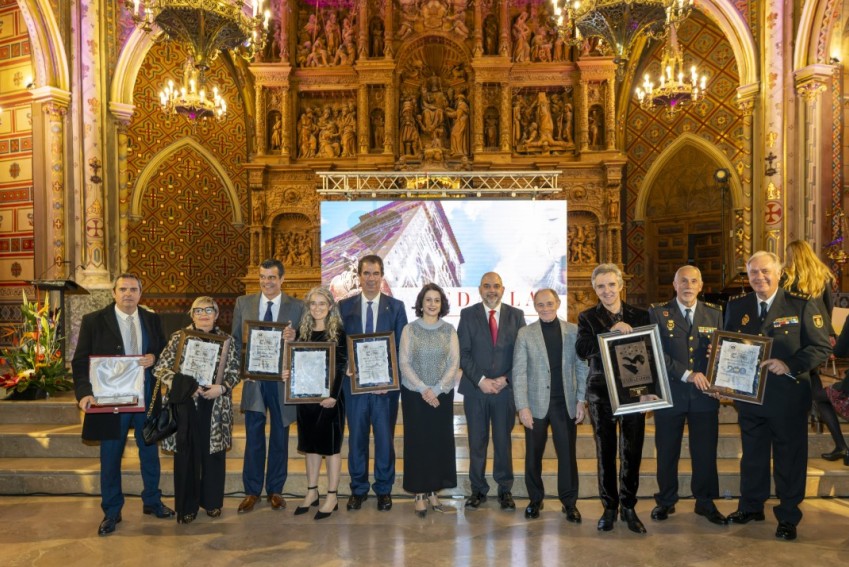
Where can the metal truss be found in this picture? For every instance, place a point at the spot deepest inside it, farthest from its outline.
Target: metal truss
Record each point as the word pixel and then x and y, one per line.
pixel 436 184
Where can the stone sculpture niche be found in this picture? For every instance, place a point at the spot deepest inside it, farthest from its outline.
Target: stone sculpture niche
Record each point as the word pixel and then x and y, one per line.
pixel 595 131
pixel 327 37
pixel 293 241
pixel 274 130
pixel 327 130
pixel 543 121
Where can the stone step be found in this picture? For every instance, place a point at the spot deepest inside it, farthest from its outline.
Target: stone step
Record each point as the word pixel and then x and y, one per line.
pixel 81 476
pixel 46 441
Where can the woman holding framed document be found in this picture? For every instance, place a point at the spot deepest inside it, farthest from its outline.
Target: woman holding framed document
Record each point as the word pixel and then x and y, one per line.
pixel 321 425
pixel 200 369
pixel 429 358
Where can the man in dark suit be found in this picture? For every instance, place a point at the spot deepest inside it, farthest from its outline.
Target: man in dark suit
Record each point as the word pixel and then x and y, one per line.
pixel 120 329
pixel 779 426
pixel 487 334
pixel 266 396
pixel 686 327
pixel 371 312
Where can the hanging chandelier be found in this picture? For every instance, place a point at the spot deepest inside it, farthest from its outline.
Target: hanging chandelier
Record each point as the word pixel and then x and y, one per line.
pixel 675 89
pixel 191 99
pixel 618 23
pixel 206 27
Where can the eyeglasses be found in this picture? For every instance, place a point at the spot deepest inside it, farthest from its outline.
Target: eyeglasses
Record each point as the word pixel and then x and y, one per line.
pixel 202 310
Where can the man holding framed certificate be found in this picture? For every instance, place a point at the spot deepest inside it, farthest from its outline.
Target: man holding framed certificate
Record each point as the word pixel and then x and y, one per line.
pixel 261 397
pixel 120 328
pixel 779 425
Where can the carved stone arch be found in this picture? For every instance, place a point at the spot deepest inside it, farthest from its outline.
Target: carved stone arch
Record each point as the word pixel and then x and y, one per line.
pixel 438 53
pixel 816 33
pixel 163 156
pixel 50 61
pixel 669 154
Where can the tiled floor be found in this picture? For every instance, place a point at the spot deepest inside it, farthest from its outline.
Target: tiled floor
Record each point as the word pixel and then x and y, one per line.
pixel 61 531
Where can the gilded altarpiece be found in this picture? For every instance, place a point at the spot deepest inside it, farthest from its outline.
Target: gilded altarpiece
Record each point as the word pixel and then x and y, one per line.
pixel 428 85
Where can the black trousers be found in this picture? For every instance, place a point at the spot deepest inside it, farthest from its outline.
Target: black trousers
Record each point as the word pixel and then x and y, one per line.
pixel 198 475
pixel 564 432
pixel 827 414
pixel 498 412
pixel 786 437
pixel 632 432
pixel 703 430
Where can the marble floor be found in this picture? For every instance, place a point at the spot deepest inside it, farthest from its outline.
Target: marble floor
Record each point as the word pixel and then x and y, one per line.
pixel 61 531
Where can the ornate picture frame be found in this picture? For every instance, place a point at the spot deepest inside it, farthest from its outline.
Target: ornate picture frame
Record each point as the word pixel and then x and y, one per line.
pixel 262 355
pixel 734 367
pixel 203 356
pixel 312 367
pixel 373 362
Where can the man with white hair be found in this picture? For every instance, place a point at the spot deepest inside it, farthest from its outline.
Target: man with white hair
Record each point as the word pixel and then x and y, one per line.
pixel 779 425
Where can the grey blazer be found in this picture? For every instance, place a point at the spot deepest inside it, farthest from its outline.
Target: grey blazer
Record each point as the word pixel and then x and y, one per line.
pixel 247 309
pixel 532 375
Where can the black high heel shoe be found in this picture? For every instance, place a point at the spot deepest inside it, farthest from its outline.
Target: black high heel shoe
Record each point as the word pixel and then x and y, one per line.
pixel 435 507
pixel 322 515
pixel 836 455
pixel 304 509
pixel 423 512
pixel 187 518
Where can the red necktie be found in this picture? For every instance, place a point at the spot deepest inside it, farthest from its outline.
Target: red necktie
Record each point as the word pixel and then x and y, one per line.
pixel 493 326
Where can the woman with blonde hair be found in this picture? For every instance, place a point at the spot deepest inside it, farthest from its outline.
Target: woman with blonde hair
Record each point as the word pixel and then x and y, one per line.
pixel 807 274
pixel 320 426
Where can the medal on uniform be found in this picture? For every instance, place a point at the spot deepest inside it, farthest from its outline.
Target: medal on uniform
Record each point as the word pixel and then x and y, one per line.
pixel 745 320
pixel 670 324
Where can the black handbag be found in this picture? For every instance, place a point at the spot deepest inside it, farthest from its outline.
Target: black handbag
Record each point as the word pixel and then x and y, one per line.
pixel 160 424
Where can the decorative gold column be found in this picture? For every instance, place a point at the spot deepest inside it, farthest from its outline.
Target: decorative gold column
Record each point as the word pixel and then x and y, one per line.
pixel 362 119
pixel 363 17
pixel 388 33
pixel 583 112
pixel 610 114
pixel 504 23
pixel 49 113
pixel 477 34
pixel 506 117
pixel 477 109
pixel 391 121
pixel 284 31
pixel 746 98
pixel 260 120
pixel 286 120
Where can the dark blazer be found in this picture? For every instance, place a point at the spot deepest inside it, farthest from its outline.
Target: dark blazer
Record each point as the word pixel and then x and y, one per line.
pixel 101 335
pixel 596 320
pixel 478 356
pixel 683 350
pixel 801 344
pixel 247 309
pixel 391 316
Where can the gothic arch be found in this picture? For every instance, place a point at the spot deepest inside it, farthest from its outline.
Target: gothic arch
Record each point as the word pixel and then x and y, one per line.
pixel 738 34
pixel 48 50
pixel 163 156
pixel 686 139
pixel 129 62
pixel 814 36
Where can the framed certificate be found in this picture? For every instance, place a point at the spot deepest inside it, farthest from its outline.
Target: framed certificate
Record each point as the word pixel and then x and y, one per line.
pixel 262 357
pixel 635 371
pixel 117 383
pixel 734 369
pixel 312 367
pixel 374 362
pixel 203 356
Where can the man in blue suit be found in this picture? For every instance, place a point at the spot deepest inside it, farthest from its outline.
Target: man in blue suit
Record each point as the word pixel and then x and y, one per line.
pixel 265 397
pixel 487 333
pixel 371 312
pixel 120 329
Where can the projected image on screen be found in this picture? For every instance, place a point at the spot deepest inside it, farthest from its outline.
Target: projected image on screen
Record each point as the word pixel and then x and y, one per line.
pixel 451 243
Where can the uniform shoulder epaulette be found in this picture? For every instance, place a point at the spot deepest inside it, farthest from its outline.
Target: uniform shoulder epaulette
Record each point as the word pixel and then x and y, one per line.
pixel 732 298
pixel 712 305
pixel 654 305
pixel 798 295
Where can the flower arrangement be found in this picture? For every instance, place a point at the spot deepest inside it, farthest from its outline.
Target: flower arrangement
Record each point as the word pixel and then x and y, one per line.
pixel 35 358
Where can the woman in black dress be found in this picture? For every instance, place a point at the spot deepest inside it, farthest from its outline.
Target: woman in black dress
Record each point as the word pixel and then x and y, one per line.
pixel 320 426
pixel 429 358
pixel 612 314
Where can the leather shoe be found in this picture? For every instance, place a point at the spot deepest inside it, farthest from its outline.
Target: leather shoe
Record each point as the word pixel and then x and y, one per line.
pixel 785 531
pixel 572 514
pixel 629 515
pixel 713 516
pixel 605 523
pixel 532 511
pixel 277 501
pixel 384 502
pixel 740 517
pixel 475 500
pixel 107 526
pixel 506 501
pixel 355 502
pixel 248 503
pixel 162 511
pixel 661 512
pixel 836 455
